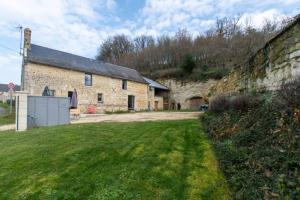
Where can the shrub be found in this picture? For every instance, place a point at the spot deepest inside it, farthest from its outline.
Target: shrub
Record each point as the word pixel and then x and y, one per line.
pixel 289 93
pixel 219 104
pixel 243 103
pixel 188 64
pixel 258 150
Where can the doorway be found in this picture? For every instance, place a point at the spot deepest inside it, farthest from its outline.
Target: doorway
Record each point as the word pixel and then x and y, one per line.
pixel 195 103
pixel 156 105
pixel 70 94
pixel 131 100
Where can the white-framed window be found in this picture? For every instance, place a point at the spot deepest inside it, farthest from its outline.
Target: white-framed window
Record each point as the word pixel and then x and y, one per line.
pixel 88 79
pixel 124 84
pixel 100 97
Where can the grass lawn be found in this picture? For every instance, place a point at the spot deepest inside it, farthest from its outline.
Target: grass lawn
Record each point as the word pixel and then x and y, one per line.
pixel 6 118
pixel 137 160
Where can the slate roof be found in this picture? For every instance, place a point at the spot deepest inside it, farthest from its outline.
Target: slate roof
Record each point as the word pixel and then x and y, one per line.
pixel 47 56
pixel 4 88
pixel 155 84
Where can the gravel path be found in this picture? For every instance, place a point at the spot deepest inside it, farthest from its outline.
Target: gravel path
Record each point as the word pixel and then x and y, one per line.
pixel 7 127
pixel 130 117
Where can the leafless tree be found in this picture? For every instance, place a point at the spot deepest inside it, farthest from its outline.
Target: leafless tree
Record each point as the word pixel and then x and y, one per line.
pixel 226 45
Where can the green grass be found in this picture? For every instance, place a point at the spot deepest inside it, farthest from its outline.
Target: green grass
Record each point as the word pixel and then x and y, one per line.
pixel 7 118
pixel 139 160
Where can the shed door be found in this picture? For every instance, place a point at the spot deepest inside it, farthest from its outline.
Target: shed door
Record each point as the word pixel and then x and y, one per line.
pixel 156 105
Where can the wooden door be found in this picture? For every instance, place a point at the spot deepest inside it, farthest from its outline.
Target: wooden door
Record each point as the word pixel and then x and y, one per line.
pixel 156 105
pixel 195 103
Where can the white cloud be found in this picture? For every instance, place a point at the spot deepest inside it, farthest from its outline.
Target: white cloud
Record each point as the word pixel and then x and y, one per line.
pixel 258 18
pixel 64 25
pixel 163 14
pixel 58 24
pixel 111 4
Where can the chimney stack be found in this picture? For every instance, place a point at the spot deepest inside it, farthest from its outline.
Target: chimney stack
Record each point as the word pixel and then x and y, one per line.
pixel 27 41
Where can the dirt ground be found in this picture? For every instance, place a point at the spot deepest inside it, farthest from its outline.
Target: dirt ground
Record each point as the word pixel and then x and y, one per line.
pixel 130 117
pixel 7 127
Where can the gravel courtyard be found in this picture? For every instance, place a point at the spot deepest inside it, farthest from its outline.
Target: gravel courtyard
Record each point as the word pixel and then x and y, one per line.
pixel 135 117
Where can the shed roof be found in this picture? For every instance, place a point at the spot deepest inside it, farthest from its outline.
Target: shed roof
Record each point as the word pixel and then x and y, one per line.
pixel 47 56
pixel 155 84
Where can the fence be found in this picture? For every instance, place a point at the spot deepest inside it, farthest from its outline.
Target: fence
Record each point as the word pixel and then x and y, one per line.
pixel 37 111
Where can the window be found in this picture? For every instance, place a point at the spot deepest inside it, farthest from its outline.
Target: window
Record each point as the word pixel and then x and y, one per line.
pixel 100 97
pixel 124 84
pixel 70 94
pixel 52 93
pixel 88 79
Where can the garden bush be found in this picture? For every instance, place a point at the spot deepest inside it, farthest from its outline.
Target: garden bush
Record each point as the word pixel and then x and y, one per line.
pixel 289 93
pixel 241 103
pixel 258 149
pixel 219 104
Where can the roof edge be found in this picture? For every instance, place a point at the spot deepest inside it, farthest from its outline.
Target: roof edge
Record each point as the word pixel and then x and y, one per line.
pixel 142 80
pixel 77 70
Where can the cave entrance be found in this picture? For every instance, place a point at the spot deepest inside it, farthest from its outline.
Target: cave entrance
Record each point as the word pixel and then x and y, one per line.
pixel 194 103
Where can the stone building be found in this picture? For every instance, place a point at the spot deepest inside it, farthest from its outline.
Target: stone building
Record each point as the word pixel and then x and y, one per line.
pixel 106 86
pixel 158 95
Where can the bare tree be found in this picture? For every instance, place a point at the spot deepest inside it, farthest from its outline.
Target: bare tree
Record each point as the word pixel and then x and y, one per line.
pixel 224 46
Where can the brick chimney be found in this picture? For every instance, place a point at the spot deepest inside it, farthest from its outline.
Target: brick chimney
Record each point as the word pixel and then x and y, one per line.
pixel 27 41
pixel 26 47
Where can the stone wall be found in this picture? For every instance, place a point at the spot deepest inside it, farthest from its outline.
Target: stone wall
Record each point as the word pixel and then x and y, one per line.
pixel 37 76
pixel 278 61
pixel 182 91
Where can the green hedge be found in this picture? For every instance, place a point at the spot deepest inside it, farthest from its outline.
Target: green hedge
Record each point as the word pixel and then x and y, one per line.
pixel 258 150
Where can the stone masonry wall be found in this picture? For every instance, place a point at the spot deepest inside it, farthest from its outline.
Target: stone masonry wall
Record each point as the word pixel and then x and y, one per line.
pixel 181 92
pixel 277 62
pixel 37 76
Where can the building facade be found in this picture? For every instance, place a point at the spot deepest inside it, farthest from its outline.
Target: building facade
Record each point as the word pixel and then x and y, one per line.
pixel 105 86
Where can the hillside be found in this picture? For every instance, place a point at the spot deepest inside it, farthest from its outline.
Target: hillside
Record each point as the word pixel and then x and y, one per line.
pixel 212 54
pixel 256 139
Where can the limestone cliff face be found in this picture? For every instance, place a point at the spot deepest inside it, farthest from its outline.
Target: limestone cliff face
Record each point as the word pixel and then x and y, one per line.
pixel 182 91
pixel 277 62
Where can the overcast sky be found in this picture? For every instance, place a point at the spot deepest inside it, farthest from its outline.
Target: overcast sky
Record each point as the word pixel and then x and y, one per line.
pixel 79 26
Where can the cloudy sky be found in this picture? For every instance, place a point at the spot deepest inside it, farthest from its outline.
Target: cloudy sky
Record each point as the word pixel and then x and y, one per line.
pixel 79 26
